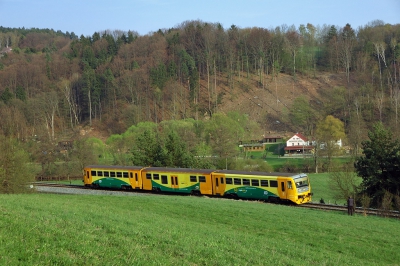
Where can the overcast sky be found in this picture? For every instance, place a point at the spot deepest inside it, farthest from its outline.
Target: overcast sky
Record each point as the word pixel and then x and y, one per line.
pixel 145 16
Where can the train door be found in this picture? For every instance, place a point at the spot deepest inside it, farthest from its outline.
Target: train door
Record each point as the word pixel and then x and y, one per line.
pixel 174 182
pixel 218 185
pixel 135 181
pixel 86 177
pixel 146 180
pixel 286 189
pixel 282 188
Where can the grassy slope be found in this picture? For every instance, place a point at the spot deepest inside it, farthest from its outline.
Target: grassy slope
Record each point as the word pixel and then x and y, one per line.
pixel 171 230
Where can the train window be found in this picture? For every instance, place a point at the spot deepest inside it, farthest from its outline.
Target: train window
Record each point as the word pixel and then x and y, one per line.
pixel 112 174
pixel 136 179
pixel 283 186
pixel 255 182
pixel 246 182
pixel 202 179
pixel 130 175
pixel 193 178
pixel 156 176
pixel 99 173
pixel 172 180
pixel 237 181
pixel 222 180
pixel 289 184
pixel 164 179
pixel 273 183
pixel 264 183
pixel 229 180
pixel 119 174
pixel 176 180
pixel 125 174
pixel 93 173
pixel 216 182
pixel 148 176
pixel 106 174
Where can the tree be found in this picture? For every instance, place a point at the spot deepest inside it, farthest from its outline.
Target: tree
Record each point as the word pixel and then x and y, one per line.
pixel 329 132
pixel 344 183
pixel 15 170
pixel 83 152
pixel 177 153
pixel 302 115
pixel 223 133
pixel 147 150
pixel 348 38
pixel 379 167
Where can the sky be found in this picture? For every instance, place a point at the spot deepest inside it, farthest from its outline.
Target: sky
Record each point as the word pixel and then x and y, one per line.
pixel 84 17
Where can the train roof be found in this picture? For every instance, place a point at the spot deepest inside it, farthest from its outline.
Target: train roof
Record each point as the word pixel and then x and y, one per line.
pixel 179 170
pixel 255 173
pixel 119 167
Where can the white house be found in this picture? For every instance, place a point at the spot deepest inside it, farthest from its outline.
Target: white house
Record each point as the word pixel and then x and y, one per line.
pixel 298 144
pixel 297 140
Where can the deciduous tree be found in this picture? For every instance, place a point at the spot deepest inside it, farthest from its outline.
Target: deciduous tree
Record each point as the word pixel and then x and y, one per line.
pixel 15 170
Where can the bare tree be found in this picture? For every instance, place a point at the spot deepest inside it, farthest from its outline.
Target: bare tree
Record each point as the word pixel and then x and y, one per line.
pixel 347 43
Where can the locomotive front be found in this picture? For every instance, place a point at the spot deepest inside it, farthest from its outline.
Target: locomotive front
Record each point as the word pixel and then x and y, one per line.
pixel 303 188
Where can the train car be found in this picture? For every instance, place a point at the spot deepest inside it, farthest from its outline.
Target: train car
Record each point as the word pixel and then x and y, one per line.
pixel 263 186
pixel 179 180
pixel 105 176
pixel 221 183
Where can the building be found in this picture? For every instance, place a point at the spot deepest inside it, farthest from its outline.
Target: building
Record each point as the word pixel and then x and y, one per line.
pixel 298 145
pixel 259 145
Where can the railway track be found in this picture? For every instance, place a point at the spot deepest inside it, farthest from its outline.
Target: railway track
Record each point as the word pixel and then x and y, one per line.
pixel 50 188
pixel 360 210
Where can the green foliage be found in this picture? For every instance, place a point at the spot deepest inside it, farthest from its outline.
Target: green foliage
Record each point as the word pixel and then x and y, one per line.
pixel 159 76
pixel 6 96
pixel 15 170
pixel 379 167
pixel 330 130
pixel 302 115
pixel 84 152
pixel 147 150
pixel 177 153
pixel 20 93
pixel 222 133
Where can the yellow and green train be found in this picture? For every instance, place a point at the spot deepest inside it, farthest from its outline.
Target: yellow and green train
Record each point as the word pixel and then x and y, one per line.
pixel 294 188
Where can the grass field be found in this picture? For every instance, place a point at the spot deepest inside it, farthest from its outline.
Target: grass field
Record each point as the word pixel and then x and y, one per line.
pixel 44 229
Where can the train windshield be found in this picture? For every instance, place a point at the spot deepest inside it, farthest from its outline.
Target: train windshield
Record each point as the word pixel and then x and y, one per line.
pixel 301 182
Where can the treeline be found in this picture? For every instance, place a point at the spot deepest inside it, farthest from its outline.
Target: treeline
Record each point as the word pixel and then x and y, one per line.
pixel 52 82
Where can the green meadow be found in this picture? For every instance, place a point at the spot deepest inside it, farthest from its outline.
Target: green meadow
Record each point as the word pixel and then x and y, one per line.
pixel 47 229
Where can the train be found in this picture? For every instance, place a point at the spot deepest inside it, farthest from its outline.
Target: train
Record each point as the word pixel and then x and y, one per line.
pixel 265 186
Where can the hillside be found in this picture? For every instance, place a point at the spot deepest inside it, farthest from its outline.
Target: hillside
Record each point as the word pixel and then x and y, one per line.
pixel 55 85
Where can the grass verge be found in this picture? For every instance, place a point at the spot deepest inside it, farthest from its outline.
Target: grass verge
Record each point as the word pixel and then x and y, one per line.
pixel 43 229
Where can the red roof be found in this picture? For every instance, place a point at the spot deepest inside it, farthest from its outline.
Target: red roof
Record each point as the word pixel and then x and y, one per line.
pixel 301 136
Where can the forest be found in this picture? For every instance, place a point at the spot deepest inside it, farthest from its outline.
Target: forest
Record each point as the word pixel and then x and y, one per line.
pixel 57 86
